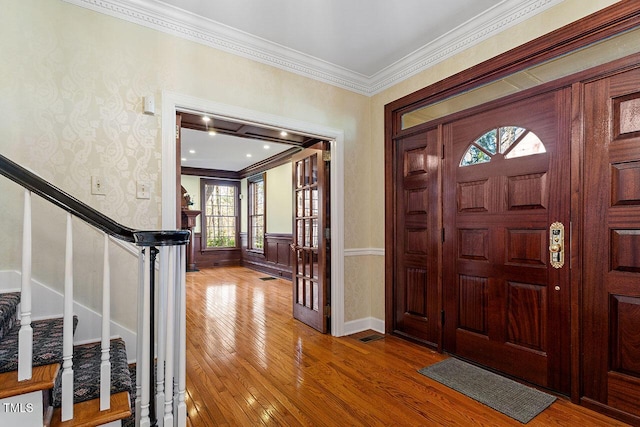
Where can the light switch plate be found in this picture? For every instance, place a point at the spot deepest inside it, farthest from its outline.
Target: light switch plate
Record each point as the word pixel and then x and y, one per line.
pixel 97 185
pixel 143 190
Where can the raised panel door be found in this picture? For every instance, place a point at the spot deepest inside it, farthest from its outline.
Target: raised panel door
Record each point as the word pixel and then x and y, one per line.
pixel 506 181
pixel 611 289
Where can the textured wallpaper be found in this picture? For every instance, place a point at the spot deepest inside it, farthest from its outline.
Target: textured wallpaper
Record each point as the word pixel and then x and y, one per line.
pixel 71 88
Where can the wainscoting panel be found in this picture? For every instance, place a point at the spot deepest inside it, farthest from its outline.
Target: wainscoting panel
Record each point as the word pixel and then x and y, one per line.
pixel 276 258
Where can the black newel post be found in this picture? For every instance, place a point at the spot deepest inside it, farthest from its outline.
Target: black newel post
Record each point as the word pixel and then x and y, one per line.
pixel 153 251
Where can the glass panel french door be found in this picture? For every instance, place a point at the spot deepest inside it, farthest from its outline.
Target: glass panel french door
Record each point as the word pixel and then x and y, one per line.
pixel 310 294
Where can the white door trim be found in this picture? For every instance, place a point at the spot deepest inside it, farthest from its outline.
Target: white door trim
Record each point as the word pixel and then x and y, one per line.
pixel 172 101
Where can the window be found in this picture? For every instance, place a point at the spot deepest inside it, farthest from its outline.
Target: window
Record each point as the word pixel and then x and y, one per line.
pixel 510 141
pixel 256 215
pixel 220 222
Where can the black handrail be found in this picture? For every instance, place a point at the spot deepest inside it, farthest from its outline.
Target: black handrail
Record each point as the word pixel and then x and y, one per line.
pixel 53 194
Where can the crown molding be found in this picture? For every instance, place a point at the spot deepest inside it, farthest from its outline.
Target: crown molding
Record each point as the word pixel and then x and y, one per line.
pixel 180 23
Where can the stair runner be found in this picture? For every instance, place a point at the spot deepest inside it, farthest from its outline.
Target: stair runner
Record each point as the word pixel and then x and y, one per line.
pixel 47 349
pixel 8 311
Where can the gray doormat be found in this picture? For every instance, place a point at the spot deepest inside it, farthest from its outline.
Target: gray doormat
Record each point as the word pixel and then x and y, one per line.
pixel 513 399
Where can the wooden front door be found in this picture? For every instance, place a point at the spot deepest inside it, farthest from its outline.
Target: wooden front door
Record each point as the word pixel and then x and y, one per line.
pixel 417 233
pixel 506 180
pixel 310 249
pixel 611 241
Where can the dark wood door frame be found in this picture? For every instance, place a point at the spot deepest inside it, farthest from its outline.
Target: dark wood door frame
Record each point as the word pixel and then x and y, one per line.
pixel 608 22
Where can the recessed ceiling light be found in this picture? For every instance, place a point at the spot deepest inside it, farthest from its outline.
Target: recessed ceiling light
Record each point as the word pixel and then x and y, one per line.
pixel 192 151
pixel 206 119
pixel 266 146
pixel 212 132
pixel 248 155
pixel 184 159
pixel 283 133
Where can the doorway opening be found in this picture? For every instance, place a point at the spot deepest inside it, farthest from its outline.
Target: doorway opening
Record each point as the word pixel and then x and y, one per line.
pixel 173 103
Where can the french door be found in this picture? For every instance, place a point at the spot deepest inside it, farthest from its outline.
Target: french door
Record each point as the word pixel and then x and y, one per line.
pixel 310 246
pixel 506 213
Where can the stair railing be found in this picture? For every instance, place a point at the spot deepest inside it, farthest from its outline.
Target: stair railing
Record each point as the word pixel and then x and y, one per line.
pixel 159 401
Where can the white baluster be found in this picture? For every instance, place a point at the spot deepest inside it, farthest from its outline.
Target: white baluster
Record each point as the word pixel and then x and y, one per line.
pixel 145 352
pixel 162 346
pixel 139 338
pixel 25 336
pixel 67 334
pixel 181 413
pixel 170 330
pixel 105 365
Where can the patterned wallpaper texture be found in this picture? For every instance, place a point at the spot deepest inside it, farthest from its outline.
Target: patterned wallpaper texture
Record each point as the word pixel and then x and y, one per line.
pixel 71 88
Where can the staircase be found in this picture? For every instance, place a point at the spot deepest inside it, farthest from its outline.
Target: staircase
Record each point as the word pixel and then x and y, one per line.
pixel 46 380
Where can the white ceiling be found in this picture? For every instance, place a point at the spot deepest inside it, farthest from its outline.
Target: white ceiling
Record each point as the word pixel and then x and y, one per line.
pixel 361 45
pixel 362 36
pixel 224 152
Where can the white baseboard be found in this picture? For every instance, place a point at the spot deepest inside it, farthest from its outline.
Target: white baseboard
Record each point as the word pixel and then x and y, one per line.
pixel 47 302
pixel 364 324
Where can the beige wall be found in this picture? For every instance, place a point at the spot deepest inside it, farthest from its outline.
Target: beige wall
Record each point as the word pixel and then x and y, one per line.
pixel 279 199
pixel 71 88
pixel 279 196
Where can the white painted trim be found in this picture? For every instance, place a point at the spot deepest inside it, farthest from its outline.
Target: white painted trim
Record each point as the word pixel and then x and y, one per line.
pixel 364 252
pixel 47 303
pixel 172 101
pixel 364 324
pixel 177 22
pixel 127 246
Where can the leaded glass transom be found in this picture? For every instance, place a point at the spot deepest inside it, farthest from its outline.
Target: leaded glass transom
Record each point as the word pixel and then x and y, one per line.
pixel 510 141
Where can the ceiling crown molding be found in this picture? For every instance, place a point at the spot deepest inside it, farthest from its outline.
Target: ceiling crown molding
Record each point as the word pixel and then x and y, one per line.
pixel 178 22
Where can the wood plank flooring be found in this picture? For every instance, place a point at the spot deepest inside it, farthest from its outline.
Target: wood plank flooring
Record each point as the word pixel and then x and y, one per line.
pixel 249 363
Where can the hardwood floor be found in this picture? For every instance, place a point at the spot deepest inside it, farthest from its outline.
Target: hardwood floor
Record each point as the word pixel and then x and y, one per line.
pixel 249 363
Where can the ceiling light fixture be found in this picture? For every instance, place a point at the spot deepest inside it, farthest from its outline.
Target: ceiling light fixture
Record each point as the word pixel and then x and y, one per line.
pixel 184 159
pixel 192 151
pixel 212 133
pixel 206 119
pixel 283 133
pixel 266 146
pixel 248 155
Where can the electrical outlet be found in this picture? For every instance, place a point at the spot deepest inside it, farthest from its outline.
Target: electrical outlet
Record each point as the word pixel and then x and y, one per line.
pixel 142 190
pixel 97 186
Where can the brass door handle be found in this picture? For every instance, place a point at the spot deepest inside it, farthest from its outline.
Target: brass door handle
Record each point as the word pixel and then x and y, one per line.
pixel 556 244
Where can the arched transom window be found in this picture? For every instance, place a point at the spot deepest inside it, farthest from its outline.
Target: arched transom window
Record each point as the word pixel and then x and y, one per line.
pixel 510 141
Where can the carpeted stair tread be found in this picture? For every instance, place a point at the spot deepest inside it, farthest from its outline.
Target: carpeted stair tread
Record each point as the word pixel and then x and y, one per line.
pixel 47 344
pixel 8 311
pixel 86 372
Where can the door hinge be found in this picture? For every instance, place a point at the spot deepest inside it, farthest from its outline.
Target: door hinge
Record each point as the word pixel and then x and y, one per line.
pixel 442 317
pixel 177 132
pixel 442 151
pixel 327 310
pixel 326 156
pixel 327 233
pixel 443 235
